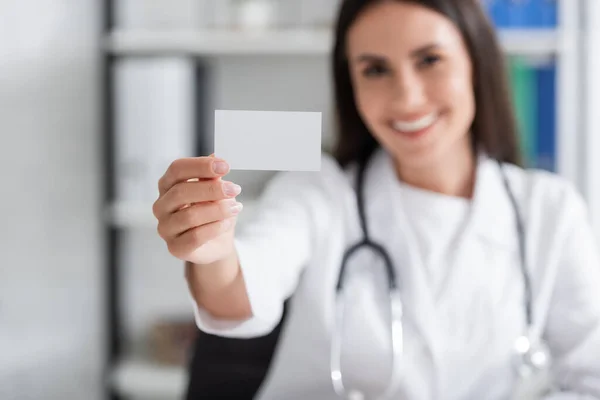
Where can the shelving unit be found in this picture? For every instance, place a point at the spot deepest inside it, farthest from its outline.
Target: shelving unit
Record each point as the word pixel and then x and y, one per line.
pixel 132 377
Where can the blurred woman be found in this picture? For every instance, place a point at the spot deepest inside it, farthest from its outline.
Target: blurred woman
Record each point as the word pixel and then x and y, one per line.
pixel 422 262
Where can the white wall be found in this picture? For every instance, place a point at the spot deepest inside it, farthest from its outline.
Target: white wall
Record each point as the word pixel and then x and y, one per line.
pixel 50 265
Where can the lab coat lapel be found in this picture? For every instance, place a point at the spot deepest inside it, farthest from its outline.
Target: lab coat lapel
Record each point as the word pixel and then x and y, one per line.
pixel 390 227
pixel 494 220
pixel 492 217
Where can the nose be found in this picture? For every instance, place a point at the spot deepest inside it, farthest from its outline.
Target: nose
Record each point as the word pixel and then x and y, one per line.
pixel 408 92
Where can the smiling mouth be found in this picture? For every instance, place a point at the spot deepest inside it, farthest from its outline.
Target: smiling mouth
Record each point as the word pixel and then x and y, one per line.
pixel 416 127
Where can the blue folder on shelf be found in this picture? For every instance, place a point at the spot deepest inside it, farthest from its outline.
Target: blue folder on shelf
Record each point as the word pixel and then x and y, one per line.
pixel 546 117
pixel 519 13
pixel 522 14
pixel 497 12
pixel 547 13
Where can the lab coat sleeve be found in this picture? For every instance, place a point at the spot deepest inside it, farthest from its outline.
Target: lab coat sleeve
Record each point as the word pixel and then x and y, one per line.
pixel 573 325
pixel 273 247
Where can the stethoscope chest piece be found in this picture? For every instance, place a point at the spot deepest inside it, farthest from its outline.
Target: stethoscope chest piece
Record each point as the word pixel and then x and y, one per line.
pixel 533 361
pixel 533 356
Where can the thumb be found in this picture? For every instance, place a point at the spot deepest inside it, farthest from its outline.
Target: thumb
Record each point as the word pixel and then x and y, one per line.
pixel 213 156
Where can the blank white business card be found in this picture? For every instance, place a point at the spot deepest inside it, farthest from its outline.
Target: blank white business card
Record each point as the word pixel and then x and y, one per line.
pixel 269 140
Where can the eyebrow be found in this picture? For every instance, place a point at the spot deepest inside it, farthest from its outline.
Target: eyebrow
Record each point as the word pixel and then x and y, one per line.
pixel 424 49
pixel 367 57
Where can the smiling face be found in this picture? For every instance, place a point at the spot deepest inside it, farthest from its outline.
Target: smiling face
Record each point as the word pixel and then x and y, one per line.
pixel 412 79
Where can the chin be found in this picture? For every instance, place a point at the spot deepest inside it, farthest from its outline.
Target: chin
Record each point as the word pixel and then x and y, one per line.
pixel 425 154
pixel 413 153
pixel 422 158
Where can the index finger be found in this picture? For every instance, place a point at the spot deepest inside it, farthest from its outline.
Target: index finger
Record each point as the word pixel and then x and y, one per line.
pixel 184 169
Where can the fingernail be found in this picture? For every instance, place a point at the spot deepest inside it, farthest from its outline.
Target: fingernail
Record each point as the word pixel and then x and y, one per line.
pixel 236 208
pixel 231 189
pixel 220 167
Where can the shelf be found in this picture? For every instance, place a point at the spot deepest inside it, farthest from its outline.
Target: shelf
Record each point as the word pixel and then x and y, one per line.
pixel 215 43
pixel 140 379
pixel 285 42
pixel 534 42
pixel 139 215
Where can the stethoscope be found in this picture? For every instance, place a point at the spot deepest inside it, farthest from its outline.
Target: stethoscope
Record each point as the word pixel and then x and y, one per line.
pixel 531 353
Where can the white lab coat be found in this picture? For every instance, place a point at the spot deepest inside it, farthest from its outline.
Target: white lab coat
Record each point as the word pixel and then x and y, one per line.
pixel 461 317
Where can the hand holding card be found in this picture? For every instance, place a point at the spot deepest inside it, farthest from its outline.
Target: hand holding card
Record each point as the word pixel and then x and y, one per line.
pixel 196 209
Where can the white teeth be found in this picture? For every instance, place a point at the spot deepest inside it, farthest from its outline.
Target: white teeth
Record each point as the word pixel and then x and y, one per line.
pixel 417 125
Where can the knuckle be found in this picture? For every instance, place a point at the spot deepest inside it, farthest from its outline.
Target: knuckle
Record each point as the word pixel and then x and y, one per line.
pixel 191 215
pixel 198 236
pixel 213 189
pixel 156 209
pixel 170 172
pixel 180 194
pixel 173 170
pixel 174 166
pixel 173 247
pixel 161 230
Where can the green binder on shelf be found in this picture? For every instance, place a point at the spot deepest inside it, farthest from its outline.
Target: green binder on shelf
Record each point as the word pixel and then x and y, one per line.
pixel 524 90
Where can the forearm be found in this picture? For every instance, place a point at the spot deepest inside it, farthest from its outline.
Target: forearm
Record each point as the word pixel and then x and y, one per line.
pixel 219 288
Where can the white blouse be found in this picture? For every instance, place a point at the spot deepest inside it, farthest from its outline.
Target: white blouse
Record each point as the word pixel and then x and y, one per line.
pixel 459 273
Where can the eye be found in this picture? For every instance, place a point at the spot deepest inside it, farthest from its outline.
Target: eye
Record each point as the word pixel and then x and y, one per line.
pixel 375 70
pixel 429 60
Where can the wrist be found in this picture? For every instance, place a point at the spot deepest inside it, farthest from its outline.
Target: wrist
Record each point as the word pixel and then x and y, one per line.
pixel 215 276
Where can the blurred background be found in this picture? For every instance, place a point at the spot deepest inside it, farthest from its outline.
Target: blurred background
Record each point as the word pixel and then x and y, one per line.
pixel 97 97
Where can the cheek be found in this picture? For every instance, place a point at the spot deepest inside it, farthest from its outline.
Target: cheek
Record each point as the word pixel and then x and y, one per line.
pixel 369 100
pixel 458 96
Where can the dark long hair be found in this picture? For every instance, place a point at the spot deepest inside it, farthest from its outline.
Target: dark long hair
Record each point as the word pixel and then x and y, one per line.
pixel 494 127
